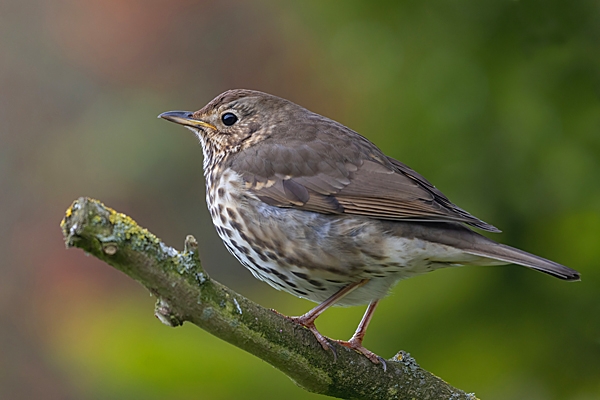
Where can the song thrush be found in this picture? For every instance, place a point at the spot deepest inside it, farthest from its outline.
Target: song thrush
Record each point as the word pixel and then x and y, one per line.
pixel 313 208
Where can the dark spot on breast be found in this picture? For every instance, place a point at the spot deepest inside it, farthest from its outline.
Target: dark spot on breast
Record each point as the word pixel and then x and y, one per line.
pixel 276 283
pixel 236 225
pixel 244 237
pixel 262 268
pixel 283 277
pixel 240 248
pixel 290 284
pixel 221 192
pixel 300 292
pixel 333 281
pixel 315 283
pixel 301 275
pixel 278 274
pixel 232 214
pixel 374 273
pixel 271 255
pixel 222 218
pixel 258 242
pixel 293 261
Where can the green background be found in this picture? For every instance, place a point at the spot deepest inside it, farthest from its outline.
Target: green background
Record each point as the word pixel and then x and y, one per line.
pixel 496 102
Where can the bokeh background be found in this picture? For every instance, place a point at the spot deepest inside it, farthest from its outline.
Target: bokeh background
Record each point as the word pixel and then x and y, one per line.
pixel 496 102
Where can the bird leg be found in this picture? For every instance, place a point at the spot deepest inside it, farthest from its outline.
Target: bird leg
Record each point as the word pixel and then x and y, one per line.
pixel 355 342
pixel 308 320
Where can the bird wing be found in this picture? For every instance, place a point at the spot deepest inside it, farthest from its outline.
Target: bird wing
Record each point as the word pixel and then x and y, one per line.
pixel 348 175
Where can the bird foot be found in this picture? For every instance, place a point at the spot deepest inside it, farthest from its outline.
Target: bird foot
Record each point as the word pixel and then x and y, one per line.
pixel 310 325
pixel 356 345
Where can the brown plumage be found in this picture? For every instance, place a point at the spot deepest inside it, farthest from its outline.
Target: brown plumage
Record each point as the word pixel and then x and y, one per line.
pixel 314 208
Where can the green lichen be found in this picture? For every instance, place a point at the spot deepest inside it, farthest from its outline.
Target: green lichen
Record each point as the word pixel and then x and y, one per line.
pixel 124 227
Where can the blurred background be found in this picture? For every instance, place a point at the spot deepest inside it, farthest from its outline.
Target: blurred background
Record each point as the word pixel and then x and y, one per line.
pixel 497 103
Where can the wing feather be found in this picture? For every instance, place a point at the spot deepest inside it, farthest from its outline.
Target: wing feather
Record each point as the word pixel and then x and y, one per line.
pixel 354 177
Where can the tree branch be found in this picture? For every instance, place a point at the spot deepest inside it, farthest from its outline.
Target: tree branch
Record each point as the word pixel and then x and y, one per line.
pixel 186 293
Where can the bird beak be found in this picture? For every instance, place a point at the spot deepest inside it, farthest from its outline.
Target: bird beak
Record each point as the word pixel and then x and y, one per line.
pixel 185 118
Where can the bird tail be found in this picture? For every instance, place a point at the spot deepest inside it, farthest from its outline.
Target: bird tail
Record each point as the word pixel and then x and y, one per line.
pixel 512 255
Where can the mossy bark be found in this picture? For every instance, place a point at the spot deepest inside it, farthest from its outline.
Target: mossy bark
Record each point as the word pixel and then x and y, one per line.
pixel 186 293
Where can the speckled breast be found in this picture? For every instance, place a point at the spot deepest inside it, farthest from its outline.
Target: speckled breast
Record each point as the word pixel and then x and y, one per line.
pixel 307 254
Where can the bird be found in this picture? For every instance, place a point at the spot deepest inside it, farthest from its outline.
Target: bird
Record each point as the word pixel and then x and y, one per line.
pixel 315 209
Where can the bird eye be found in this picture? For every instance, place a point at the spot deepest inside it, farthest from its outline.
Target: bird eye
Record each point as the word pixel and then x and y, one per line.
pixel 229 119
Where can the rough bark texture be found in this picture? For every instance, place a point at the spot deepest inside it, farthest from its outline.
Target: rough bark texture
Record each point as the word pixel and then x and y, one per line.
pixel 186 293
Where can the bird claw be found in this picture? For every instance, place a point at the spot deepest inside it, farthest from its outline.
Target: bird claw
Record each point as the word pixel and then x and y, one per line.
pixel 383 363
pixel 354 343
pixel 357 346
pixel 310 325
